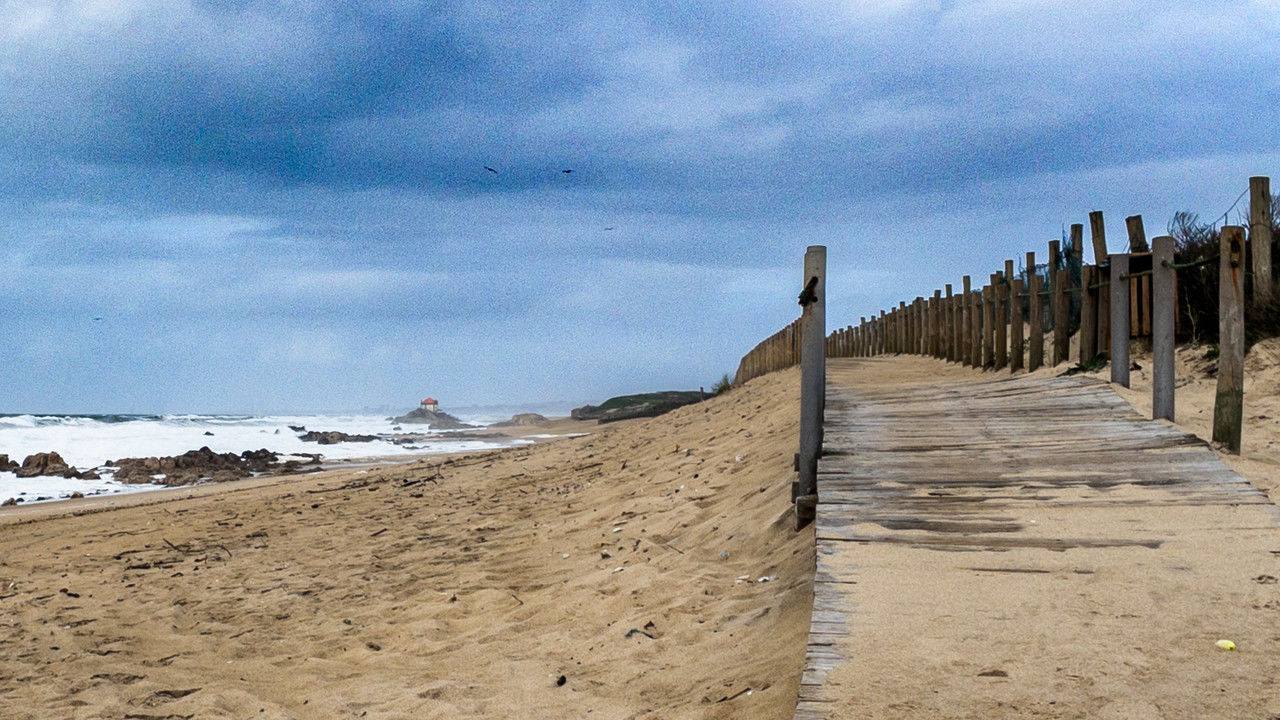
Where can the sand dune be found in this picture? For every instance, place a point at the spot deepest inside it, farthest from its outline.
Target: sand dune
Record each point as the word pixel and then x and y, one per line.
pixel 627 563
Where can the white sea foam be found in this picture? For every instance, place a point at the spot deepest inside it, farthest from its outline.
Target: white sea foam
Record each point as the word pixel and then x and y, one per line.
pixel 40 489
pixel 88 442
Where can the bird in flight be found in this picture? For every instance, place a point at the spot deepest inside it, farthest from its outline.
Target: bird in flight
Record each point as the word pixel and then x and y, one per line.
pixel 566 172
pixel 486 167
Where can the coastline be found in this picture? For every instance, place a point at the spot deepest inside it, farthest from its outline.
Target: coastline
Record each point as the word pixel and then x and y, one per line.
pixel 650 564
pixel 556 429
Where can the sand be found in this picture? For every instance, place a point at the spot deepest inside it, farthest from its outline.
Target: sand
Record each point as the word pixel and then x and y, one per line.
pixel 459 587
pixel 469 586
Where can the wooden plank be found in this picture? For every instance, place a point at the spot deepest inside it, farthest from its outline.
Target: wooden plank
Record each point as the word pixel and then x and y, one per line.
pixel 1088 314
pixel 950 470
pixel 1119 320
pixel 1035 352
pixel 1163 311
pixel 1015 326
pixel 1228 407
pixel 1260 235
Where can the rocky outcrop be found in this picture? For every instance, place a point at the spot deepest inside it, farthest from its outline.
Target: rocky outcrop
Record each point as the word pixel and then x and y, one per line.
pixel 7 465
pixel 50 463
pixel 625 407
pixel 434 420
pixel 522 420
pixel 332 437
pixel 197 465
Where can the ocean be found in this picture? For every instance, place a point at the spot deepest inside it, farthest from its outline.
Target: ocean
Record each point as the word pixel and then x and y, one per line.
pixel 89 441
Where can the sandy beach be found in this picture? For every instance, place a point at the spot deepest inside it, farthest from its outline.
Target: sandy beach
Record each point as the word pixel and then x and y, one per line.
pixel 652 566
pixel 649 569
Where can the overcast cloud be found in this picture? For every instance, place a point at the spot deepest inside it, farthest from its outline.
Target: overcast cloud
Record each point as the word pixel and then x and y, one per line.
pixel 254 206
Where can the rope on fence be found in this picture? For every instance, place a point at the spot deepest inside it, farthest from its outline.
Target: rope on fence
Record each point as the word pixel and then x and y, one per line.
pixel 1197 263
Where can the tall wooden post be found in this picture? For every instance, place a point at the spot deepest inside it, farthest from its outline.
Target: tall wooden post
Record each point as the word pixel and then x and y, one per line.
pixel 1077 243
pixel 1088 314
pixel 957 328
pixel 1035 348
pixel 975 328
pixel 813 380
pixel 948 326
pixel 1098 234
pixel 1137 236
pixel 1102 278
pixel 1120 319
pixel 1260 235
pixel 922 326
pixel 1001 320
pixel 935 324
pixel 1162 315
pixel 1061 317
pixel 880 334
pixel 1051 280
pixel 1228 406
pixel 988 325
pixel 902 328
pixel 966 324
pixel 1015 325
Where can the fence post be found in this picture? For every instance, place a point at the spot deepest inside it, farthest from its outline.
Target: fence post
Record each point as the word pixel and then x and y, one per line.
pixel 1120 319
pixel 975 317
pixel 1035 348
pixel 1015 325
pixel 989 324
pixel 1228 406
pixel 1001 328
pixel 1098 233
pixel 1061 317
pixel 1137 235
pixel 1260 235
pixel 966 322
pixel 1088 314
pixel 1162 310
pixel 922 326
pixel 901 327
pixel 812 381
pixel 948 327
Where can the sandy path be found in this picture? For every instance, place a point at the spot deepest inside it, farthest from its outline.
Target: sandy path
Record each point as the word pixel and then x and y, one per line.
pixel 464 587
pixel 1003 621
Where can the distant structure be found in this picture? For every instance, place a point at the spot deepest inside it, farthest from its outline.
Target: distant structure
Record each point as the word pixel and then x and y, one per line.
pixel 430 404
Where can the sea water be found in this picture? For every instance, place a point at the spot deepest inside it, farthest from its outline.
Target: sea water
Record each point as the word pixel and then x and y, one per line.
pixel 89 441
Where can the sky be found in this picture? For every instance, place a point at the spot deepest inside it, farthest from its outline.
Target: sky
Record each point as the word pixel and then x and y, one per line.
pixel 244 206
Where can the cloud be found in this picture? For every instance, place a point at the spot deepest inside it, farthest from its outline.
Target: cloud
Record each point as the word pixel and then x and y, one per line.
pixel 260 190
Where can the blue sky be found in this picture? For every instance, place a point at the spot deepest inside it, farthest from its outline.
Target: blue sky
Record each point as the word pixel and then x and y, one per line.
pixel 285 205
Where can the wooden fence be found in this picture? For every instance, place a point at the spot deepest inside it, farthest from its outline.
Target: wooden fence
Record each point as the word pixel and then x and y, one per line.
pixel 1024 320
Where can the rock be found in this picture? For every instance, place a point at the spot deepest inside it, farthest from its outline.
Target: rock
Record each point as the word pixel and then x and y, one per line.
pixel 433 419
pixel 76 495
pixel 332 437
pixel 90 475
pixel 7 465
pixel 522 419
pixel 193 466
pixel 10 502
pixel 50 463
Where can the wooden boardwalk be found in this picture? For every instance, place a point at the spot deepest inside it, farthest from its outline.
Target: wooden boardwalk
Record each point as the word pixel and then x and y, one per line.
pixel 1030 547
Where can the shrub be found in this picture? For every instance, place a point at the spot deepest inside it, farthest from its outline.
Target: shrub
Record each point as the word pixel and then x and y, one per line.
pixel 723 385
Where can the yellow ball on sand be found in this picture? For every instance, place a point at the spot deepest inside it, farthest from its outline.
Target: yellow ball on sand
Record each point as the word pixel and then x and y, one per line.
pixel 1226 644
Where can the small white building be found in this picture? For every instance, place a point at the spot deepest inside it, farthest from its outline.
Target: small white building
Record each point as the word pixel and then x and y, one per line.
pixel 430 404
